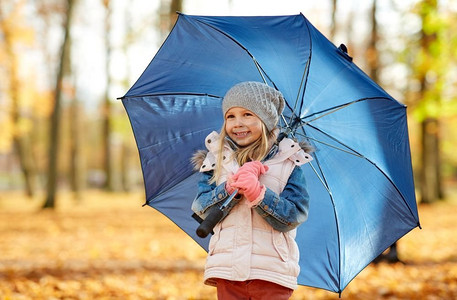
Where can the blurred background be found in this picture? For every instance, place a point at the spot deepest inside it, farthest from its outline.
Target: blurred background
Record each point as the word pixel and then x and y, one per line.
pixel 71 187
pixel 63 63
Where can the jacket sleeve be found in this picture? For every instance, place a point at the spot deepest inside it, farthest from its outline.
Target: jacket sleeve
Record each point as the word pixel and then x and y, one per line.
pixel 209 195
pixel 286 211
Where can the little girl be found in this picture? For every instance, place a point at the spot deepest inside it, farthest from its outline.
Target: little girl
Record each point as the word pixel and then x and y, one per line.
pixel 253 252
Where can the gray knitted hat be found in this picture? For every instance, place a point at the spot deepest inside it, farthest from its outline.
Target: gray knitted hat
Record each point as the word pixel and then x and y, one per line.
pixel 266 102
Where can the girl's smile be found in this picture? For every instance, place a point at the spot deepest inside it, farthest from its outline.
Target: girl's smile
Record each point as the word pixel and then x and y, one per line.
pixel 242 126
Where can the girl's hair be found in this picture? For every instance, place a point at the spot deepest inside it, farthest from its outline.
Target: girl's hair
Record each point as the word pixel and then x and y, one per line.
pixel 258 150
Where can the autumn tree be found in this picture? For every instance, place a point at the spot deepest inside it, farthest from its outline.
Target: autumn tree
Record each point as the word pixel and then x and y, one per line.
pixel 55 121
pixel 76 127
pixel 372 55
pixel 175 6
pixel 131 35
pixel 333 20
pixel 106 111
pixel 431 66
pixel 167 14
pixel 14 32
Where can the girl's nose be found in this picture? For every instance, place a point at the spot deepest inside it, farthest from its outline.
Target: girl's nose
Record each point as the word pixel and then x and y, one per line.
pixel 238 122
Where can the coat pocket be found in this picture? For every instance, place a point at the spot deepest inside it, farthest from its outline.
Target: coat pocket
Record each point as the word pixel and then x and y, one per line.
pixel 281 245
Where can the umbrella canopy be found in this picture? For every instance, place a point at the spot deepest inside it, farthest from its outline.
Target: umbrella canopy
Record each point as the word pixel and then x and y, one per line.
pixel 360 182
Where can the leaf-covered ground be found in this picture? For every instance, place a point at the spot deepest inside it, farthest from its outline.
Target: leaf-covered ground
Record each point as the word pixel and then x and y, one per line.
pixel 108 247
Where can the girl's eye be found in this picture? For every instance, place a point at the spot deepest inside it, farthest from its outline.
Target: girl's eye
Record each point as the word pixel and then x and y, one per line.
pixel 229 117
pixel 248 114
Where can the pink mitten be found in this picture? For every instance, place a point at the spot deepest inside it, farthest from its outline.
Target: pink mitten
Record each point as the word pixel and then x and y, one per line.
pixel 255 168
pixel 247 180
pixel 250 187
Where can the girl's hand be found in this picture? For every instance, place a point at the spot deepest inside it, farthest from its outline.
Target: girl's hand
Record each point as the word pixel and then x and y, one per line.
pixel 247 180
pixel 251 189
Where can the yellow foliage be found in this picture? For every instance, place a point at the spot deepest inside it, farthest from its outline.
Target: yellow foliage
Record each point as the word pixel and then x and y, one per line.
pixel 434 61
pixel 109 247
pixel 37 101
pixel 19 91
pixel 33 104
pixel 15 24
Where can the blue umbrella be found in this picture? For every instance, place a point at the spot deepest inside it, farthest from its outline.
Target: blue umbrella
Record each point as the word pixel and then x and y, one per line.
pixel 360 181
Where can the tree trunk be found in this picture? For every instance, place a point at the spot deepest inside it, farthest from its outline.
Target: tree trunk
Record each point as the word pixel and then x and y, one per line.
pixel 372 55
pixel 175 6
pixel 125 155
pixel 76 170
pixel 126 141
pixel 430 187
pixel 56 114
pixel 333 24
pixel 106 132
pixel 168 15
pixel 430 173
pixel 19 140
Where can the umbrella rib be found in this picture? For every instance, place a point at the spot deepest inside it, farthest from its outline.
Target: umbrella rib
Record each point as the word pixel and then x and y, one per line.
pixel 259 68
pixel 329 112
pixel 320 179
pixel 324 143
pixel 336 216
pixel 304 79
pixel 287 125
pixel 332 146
pixel 305 71
pixel 339 142
pixel 337 108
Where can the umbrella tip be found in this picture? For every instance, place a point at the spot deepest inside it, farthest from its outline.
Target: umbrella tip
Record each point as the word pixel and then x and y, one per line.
pixel 343 48
pixel 343 51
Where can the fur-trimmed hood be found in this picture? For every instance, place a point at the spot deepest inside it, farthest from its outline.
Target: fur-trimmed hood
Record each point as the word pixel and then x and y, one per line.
pixel 198 158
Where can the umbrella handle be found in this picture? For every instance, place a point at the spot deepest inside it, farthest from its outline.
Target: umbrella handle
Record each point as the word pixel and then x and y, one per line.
pixel 206 227
pixel 215 215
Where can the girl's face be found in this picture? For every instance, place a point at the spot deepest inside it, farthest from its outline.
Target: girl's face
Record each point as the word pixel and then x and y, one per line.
pixel 242 126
